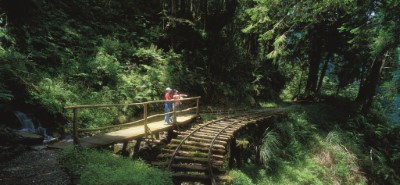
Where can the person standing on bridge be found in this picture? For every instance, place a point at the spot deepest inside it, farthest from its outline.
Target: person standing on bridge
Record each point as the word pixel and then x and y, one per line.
pixel 177 99
pixel 168 105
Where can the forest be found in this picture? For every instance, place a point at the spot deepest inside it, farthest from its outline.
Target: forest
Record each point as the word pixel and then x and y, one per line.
pixel 336 62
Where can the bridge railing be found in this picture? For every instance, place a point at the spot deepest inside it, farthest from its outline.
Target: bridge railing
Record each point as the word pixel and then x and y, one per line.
pixel 75 125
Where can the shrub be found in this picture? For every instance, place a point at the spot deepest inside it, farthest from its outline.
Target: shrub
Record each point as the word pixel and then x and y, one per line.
pixel 299 151
pixel 239 178
pixel 101 167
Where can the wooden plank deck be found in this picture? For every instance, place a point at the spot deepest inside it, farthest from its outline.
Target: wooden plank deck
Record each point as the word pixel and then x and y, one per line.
pixel 125 134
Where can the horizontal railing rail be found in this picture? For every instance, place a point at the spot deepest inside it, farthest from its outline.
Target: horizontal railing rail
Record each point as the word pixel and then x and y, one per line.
pixel 75 108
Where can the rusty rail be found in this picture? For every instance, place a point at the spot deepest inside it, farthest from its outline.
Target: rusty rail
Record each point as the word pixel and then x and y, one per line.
pixel 210 170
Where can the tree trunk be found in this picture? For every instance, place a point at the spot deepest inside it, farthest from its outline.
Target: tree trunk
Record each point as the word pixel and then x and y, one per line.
pixel 363 80
pixel 337 90
pixel 321 77
pixel 367 89
pixel 300 84
pixel 315 60
pixel 205 12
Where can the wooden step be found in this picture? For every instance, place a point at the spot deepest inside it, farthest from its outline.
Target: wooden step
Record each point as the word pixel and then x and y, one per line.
pixel 189 167
pixel 209 127
pixel 199 149
pixel 217 128
pixel 208 141
pixel 211 136
pixel 224 123
pixel 213 123
pixel 208 133
pixel 196 167
pixel 174 143
pixel 184 177
pixel 205 140
pixel 168 150
pixel 183 159
pixel 228 131
pixel 225 132
pixel 191 154
pixel 195 153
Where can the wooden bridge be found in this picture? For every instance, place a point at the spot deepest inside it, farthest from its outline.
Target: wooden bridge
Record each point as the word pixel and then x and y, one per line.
pixel 143 128
pixel 195 155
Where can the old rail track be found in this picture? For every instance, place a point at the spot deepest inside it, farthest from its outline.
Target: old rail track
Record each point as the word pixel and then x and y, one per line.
pixel 198 154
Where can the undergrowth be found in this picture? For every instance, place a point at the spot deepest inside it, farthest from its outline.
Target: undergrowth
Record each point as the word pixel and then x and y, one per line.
pixel 324 144
pixel 101 167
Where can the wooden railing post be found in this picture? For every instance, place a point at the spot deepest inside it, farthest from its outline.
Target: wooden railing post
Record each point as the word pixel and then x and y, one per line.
pixel 146 130
pixel 197 106
pixel 75 126
pixel 173 112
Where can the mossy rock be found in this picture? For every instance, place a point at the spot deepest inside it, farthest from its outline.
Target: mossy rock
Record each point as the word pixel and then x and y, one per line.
pixel 28 138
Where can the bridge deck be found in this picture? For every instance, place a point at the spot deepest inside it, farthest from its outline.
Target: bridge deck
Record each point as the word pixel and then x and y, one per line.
pixel 125 134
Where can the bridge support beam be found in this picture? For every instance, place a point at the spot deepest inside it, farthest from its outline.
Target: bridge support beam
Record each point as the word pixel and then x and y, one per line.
pixel 232 153
pixel 136 148
pixel 124 152
pixel 75 126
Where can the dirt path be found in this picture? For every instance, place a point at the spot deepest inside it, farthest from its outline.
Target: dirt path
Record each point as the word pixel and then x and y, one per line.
pixel 34 167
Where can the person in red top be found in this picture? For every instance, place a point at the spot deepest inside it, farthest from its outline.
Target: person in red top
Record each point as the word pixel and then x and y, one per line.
pixel 168 105
pixel 177 99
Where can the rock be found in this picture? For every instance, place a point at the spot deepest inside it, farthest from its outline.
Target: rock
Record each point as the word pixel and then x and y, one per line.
pixel 38 147
pixel 250 99
pixel 7 135
pixel 28 138
pixel 49 140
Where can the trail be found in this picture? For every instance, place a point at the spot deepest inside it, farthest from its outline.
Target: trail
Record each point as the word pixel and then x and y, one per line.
pixel 34 167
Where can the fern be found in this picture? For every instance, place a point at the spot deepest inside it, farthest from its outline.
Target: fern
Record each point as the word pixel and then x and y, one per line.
pixel 270 147
pixel 5 95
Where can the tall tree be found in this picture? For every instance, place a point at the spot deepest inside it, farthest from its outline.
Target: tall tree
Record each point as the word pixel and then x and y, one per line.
pixel 383 25
pixel 360 34
pixel 297 28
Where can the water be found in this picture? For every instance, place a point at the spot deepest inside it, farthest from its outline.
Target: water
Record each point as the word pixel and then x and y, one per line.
pixel 395 115
pixel 27 125
pixel 26 122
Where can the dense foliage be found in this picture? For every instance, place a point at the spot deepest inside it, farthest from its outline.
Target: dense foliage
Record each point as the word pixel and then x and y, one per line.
pixel 75 52
pixel 340 43
pixel 325 144
pixel 241 52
